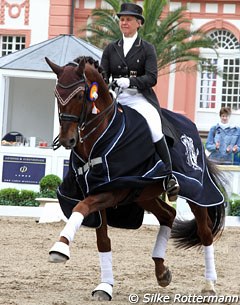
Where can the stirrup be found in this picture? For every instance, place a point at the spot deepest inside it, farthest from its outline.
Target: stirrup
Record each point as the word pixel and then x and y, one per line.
pixel 171 187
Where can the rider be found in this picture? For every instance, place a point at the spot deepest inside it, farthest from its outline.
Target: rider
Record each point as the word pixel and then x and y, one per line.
pixel 132 62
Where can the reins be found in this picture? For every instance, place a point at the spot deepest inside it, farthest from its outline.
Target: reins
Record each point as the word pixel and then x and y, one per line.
pixel 105 112
pixel 74 118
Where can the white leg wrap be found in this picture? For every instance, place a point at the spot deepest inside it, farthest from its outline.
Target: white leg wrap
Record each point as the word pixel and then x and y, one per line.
pixel 105 259
pixel 210 270
pixel 161 242
pixel 73 224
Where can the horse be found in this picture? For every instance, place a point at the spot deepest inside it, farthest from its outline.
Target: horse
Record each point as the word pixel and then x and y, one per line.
pixel 107 185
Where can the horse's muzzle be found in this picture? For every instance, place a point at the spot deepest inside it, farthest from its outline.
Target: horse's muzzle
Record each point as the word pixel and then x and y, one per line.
pixel 68 143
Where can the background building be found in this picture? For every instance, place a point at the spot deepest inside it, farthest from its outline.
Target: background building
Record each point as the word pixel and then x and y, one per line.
pixel 198 96
pixel 26 84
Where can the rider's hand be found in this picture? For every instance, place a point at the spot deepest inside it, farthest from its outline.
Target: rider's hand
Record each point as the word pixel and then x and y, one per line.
pixel 123 82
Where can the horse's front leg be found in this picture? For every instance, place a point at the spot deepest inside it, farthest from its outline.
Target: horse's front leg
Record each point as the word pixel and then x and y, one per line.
pixel 103 292
pixel 165 215
pixel 60 251
pixel 204 225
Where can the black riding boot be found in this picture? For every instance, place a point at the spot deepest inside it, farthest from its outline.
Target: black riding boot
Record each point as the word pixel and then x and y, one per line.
pixel 170 182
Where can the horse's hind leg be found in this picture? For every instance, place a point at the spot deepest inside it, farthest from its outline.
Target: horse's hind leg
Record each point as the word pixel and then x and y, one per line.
pixel 165 215
pixel 103 292
pixel 204 227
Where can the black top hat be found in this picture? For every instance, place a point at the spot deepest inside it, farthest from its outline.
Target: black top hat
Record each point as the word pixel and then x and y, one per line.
pixel 131 9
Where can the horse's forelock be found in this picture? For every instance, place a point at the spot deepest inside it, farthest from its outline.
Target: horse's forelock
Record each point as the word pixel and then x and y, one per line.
pixel 69 75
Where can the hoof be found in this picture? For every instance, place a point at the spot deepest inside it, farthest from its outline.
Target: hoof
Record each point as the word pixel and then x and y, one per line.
pixel 165 279
pixel 59 253
pixel 57 258
pixel 101 296
pixel 209 289
pixel 103 292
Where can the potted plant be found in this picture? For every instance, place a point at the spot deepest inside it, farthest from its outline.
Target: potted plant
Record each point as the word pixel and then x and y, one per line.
pixel 48 189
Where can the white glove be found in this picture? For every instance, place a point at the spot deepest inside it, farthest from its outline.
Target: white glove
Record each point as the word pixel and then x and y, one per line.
pixel 123 82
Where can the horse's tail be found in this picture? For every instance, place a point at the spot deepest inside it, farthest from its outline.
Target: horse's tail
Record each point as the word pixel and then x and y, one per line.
pixel 185 232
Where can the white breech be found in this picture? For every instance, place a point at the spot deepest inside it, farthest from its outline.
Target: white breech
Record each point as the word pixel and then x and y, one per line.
pixel 135 100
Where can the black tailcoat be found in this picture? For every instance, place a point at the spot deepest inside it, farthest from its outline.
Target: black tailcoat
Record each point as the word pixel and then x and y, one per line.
pixel 140 65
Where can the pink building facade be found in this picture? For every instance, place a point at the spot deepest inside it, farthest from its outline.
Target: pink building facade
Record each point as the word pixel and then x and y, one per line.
pixel 199 96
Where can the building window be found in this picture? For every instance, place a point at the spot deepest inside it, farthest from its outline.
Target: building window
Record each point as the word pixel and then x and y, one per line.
pixel 224 39
pixel 208 86
pixel 216 91
pixel 231 84
pixel 10 44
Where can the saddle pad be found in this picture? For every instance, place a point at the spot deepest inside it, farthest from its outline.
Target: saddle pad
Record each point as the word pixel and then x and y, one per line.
pixel 123 155
pixel 190 163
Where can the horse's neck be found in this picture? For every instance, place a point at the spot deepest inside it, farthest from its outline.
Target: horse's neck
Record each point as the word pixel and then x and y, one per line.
pixel 103 115
pixel 104 100
pixel 92 132
pixel 83 150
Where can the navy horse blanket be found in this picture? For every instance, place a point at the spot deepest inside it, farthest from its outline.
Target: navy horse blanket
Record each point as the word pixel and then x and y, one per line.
pixel 124 157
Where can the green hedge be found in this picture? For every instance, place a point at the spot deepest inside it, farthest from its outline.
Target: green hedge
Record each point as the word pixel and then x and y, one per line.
pixel 48 186
pixel 234 205
pixel 12 196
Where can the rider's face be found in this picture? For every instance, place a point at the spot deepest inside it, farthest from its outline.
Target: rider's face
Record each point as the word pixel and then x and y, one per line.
pixel 129 25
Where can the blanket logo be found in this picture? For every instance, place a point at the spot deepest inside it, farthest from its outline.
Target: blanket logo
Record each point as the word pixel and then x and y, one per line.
pixel 191 153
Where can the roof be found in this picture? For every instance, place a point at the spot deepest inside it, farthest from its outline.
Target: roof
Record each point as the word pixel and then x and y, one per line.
pixel 61 50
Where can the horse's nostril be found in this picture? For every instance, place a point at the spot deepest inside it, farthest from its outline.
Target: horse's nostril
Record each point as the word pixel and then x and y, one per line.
pixel 69 144
pixel 72 142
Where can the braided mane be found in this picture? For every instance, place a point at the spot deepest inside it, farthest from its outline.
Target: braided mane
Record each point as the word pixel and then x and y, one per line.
pixel 93 62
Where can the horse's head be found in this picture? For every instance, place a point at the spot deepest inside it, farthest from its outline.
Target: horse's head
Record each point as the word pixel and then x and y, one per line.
pixel 77 93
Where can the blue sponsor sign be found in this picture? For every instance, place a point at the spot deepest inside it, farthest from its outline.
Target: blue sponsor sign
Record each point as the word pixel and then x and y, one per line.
pixel 65 167
pixel 29 170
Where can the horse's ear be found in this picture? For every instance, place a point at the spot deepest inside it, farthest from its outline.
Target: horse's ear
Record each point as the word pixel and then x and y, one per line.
pixel 56 69
pixel 81 67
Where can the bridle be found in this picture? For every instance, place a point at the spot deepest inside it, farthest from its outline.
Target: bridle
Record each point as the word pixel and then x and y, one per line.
pixel 82 118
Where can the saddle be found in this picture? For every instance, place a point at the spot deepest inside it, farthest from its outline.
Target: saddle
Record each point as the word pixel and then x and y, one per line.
pixel 172 134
